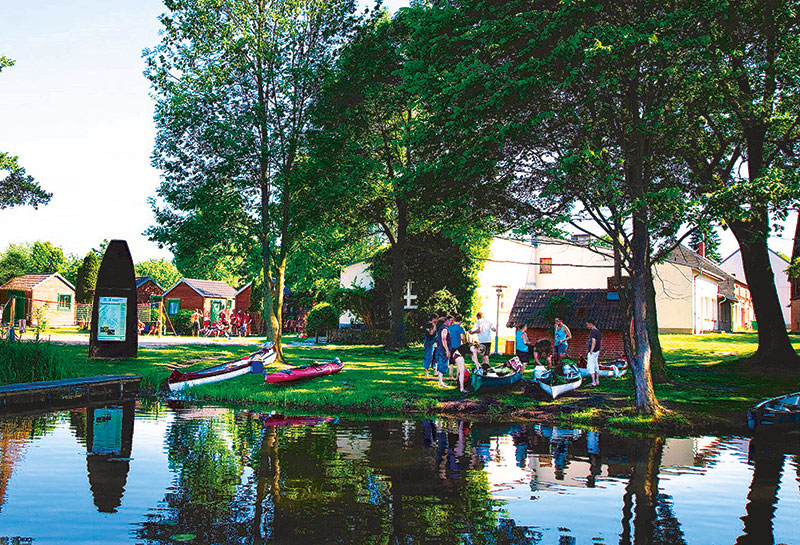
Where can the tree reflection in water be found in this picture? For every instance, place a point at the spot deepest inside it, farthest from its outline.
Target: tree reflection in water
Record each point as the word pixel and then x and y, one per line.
pixel 767 458
pixel 240 481
pixel 207 498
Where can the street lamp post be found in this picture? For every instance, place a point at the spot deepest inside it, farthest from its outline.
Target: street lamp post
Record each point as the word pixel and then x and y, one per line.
pixel 499 291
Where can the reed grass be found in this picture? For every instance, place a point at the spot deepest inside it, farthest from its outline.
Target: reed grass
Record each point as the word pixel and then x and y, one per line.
pixel 31 361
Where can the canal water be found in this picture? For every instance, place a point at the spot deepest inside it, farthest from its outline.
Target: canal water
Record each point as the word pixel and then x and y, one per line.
pixel 159 474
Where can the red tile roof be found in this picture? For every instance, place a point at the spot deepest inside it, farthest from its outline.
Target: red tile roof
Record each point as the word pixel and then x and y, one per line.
pixel 211 288
pixel 28 282
pixel 530 306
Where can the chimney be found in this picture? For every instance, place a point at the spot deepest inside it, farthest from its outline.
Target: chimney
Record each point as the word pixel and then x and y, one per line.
pixel 701 249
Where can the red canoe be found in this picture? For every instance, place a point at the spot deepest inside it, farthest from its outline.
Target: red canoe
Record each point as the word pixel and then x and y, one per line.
pixel 305 372
pixel 281 420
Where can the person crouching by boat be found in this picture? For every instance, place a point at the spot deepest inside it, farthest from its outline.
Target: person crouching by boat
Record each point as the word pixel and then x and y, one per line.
pixel 474 349
pixel 543 353
pixel 523 350
pixel 593 353
pixel 443 348
pixel 429 343
pixel 561 336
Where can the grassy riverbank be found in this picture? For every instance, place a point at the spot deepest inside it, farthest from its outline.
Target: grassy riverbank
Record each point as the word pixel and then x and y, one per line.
pixel 710 390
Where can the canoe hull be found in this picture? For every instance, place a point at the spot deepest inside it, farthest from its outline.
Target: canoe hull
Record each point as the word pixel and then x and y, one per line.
pixel 611 369
pixel 571 373
pixel 306 372
pixel 480 380
pixel 777 412
pixel 217 373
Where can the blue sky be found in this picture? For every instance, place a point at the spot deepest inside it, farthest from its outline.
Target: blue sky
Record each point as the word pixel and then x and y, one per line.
pixel 75 108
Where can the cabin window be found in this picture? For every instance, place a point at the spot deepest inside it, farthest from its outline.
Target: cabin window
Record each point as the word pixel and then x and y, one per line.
pixel 64 301
pixel 229 304
pixel 173 306
pixel 546 265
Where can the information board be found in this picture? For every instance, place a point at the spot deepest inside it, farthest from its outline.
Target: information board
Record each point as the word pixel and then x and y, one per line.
pixel 112 313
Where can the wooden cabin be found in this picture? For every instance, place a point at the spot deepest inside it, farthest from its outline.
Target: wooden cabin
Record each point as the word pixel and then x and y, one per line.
pixel 243 295
pixel 146 288
pixel 34 294
pixel 210 296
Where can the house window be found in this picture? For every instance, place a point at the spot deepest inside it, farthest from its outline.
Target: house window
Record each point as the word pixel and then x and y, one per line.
pixel 173 306
pixel 545 265
pixel 411 299
pixel 64 301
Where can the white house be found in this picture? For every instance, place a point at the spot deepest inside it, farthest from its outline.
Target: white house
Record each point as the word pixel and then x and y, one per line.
pixel 733 265
pixel 691 292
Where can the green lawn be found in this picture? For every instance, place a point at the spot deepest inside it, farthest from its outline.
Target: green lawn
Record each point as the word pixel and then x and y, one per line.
pixel 709 389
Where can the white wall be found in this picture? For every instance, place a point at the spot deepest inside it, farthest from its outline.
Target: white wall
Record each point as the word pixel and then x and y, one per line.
pixel 733 265
pixel 705 304
pixel 355 275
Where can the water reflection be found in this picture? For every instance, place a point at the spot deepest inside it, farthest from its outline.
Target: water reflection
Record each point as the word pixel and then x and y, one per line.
pixel 213 475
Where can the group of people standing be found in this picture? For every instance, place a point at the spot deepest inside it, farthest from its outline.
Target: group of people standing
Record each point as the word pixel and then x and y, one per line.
pixel 447 346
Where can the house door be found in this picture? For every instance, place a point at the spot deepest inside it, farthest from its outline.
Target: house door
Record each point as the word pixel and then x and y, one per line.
pixel 19 304
pixel 725 316
pixel 216 306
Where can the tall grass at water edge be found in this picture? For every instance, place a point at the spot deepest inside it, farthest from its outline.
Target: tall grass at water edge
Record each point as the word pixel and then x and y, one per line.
pixel 31 361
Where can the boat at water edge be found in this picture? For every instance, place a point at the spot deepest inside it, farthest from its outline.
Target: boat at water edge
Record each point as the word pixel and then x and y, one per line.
pixel 497 376
pixel 223 371
pixel 777 411
pixel 304 372
pixel 572 380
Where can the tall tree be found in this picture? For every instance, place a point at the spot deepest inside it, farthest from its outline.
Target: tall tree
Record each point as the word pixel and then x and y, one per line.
pixel 162 271
pixel 14 262
pixel 87 279
pixel 17 188
pixel 577 98
pixel 46 258
pixel 233 81
pixel 372 154
pixel 743 140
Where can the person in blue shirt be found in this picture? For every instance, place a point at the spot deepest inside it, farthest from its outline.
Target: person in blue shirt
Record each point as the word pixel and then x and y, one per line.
pixel 523 352
pixel 457 337
pixel 442 352
pixel 561 336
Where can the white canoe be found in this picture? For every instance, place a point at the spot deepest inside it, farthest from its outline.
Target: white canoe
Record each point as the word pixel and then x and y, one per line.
pixel 571 374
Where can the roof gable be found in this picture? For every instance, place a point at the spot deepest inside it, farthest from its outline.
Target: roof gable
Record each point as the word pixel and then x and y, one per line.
pixel 28 282
pixel 531 304
pixel 142 280
pixel 210 288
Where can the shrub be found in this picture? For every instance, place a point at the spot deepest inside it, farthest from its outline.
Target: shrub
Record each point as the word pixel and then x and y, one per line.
pixel 30 361
pixel 182 322
pixel 322 319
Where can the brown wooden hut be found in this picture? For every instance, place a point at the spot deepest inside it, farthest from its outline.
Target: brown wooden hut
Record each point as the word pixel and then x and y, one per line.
pixel 210 296
pixel 47 293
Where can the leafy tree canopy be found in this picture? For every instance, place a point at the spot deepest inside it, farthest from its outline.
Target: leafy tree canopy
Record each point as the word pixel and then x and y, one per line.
pixel 162 271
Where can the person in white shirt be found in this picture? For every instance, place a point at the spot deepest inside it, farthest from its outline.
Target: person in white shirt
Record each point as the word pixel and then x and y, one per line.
pixel 483 329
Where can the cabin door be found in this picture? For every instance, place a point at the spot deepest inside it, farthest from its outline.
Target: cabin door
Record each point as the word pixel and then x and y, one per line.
pixel 19 304
pixel 216 307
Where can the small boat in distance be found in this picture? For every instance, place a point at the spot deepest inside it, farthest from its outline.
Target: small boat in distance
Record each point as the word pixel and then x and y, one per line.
pixel 305 372
pixel 778 411
pixel 276 419
pixel 495 377
pixel 571 377
pixel 224 371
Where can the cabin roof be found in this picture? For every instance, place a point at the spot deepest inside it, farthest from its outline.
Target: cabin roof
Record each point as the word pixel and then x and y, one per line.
pixel 28 282
pixel 531 304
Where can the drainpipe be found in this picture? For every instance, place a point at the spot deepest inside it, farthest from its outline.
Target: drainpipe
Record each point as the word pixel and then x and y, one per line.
pixel 694 303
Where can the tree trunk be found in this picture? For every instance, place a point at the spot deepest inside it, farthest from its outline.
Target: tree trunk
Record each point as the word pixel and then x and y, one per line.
pixel 774 347
pixel 768 460
pixel 267 307
pixel 657 364
pixel 399 277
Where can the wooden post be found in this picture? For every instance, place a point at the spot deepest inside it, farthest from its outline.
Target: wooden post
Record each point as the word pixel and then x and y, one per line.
pixel 11 316
pixel 160 315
